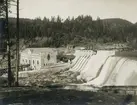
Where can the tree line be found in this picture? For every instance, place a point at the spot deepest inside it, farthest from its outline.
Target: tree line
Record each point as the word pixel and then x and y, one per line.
pixel 56 32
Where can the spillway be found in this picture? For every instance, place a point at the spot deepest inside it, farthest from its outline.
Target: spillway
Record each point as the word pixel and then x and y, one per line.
pixel 105 68
pixel 94 64
pixel 108 67
pixel 117 71
pixel 82 57
pixel 125 74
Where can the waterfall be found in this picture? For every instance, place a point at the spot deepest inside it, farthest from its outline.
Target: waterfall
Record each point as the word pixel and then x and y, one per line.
pixel 94 64
pixel 125 74
pixel 117 71
pixel 106 69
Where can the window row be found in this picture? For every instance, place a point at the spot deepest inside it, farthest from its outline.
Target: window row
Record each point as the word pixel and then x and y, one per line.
pixel 48 64
pixel 29 61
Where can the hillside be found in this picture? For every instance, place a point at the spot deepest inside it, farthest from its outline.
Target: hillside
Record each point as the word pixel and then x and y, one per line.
pixel 118 21
pixel 82 30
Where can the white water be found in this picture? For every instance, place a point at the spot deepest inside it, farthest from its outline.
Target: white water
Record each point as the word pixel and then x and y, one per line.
pixel 82 56
pixel 91 69
pixel 126 74
pixel 108 67
pixel 85 63
pixel 105 69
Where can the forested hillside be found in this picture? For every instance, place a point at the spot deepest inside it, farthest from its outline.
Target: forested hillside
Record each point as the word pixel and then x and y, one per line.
pixel 56 32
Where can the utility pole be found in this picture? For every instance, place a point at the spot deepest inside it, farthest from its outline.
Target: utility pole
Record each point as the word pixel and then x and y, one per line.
pixel 17 46
pixel 8 45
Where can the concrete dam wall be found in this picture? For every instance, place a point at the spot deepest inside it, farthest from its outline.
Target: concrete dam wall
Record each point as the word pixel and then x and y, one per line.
pixel 106 68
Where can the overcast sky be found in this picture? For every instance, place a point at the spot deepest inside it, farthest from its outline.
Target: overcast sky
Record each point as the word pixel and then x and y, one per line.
pixel 126 9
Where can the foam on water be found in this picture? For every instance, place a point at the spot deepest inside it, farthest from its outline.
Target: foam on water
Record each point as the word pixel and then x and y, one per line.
pixel 117 71
pixel 108 67
pixel 105 69
pixel 94 64
pixel 126 74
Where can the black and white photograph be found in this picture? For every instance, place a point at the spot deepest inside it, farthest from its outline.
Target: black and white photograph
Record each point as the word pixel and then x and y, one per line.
pixel 68 52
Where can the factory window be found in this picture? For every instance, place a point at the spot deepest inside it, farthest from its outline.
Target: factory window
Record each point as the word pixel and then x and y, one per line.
pixel 48 57
pixel 26 60
pixel 33 61
pixel 29 62
pixel 37 62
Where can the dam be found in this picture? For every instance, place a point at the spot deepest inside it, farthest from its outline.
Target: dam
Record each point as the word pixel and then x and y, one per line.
pixel 106 67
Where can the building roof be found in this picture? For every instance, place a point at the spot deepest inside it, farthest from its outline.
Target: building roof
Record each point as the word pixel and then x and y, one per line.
pixel 39 50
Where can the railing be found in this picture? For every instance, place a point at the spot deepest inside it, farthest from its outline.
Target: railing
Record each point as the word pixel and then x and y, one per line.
pixel 5 70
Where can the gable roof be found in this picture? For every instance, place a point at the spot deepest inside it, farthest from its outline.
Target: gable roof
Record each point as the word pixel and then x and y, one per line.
pixel 39 50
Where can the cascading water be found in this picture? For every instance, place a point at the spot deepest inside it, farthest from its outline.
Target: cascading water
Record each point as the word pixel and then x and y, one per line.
pixel 118 71
pixel 83 66
pixel 105 72
pixel 82 63
pixel 105 69
pixel 94 64
pixel 126 75
pixel 82 56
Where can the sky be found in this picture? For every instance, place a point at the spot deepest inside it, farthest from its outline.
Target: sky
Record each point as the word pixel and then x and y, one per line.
pixel 125 9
